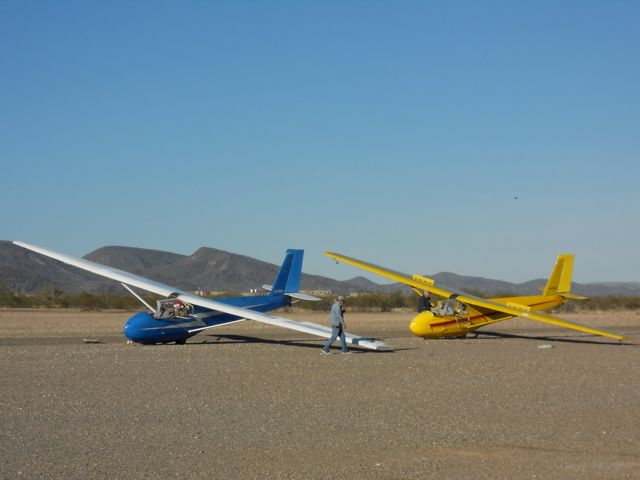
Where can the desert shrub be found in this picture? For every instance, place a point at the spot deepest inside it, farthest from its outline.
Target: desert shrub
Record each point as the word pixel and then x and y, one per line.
pixel 610 302
pixel 11 299
pixel 365 301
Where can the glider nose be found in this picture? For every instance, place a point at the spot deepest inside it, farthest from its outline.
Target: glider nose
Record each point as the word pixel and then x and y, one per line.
pixel 129 329
pixel 134 328
pixel 420 326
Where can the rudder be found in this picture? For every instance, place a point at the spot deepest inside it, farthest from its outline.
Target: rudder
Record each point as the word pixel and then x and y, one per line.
pixel 288 278
pixel 560 279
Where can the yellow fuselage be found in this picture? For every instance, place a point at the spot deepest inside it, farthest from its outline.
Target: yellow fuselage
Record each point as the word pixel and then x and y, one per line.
pixel 430 325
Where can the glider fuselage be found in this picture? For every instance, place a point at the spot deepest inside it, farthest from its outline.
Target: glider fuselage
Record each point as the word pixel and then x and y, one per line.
pixel 430 324
pixel 144 328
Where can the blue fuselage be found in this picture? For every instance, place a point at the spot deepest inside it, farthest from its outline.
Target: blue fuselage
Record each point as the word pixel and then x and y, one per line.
pixel 144 328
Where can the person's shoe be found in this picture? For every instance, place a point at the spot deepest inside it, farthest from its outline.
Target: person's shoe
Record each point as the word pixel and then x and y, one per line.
pixel 325 352
pixel 346 352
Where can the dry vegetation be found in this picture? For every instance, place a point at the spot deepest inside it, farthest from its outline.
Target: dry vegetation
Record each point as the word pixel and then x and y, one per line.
pixel 364 302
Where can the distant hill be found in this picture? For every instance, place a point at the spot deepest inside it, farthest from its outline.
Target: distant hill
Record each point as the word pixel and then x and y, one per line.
pixel 207 269
pixel 134 260
pixel 210 269
pixel 27 272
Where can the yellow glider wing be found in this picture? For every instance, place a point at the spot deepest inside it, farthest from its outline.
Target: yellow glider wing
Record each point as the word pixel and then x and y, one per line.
pixel 540 317
pixel 424 283
pixel 417 281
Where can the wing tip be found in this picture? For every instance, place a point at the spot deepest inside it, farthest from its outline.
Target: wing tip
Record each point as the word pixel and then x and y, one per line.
pixel 372 344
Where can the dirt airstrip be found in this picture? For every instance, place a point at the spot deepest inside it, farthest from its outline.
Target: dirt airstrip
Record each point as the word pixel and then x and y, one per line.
pixel 522 400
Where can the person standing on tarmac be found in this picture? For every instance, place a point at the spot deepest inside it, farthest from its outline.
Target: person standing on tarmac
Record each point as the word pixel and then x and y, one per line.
pixel 338 326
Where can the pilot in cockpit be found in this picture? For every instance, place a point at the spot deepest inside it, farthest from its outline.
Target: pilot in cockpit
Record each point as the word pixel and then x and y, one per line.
pixel 450 307
pixel 180 308
pixel 171 308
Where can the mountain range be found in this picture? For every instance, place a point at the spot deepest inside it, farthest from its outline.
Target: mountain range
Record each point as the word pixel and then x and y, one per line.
pixel 212 270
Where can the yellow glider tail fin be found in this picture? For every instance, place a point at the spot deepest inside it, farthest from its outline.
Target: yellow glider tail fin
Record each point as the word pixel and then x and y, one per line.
pixel 560 279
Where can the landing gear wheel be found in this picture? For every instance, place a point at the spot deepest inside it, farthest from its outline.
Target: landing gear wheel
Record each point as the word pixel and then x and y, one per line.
pixel 180 342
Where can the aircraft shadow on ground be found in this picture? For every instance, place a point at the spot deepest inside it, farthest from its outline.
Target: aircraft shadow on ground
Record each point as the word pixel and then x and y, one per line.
pixel 230 339
pixel 579 340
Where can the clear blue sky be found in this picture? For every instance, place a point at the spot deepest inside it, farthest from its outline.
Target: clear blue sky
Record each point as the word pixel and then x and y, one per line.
pixel 395 132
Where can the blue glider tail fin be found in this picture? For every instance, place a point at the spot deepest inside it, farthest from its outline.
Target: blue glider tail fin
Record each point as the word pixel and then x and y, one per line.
pixel 288 278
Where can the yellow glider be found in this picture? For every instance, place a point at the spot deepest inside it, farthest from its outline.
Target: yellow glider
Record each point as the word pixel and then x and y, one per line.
pixel 462 313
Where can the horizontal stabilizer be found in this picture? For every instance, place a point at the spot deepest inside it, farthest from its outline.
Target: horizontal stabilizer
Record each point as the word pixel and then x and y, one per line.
pixel 303 296
pixel 298 295
pixel 573 296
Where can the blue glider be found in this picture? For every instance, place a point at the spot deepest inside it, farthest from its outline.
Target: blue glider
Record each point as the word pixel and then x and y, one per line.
pixel 181 315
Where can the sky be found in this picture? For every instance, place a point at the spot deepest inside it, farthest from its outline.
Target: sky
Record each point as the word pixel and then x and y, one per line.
pixel 481 138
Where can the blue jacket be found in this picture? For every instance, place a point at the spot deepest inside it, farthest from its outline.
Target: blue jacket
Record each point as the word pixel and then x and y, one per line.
pixel 336 314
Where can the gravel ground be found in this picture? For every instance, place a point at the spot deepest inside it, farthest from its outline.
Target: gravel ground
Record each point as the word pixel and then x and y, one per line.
pixel 252 401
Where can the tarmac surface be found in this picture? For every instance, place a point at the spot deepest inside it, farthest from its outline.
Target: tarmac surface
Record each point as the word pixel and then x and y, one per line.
pixel 521 401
